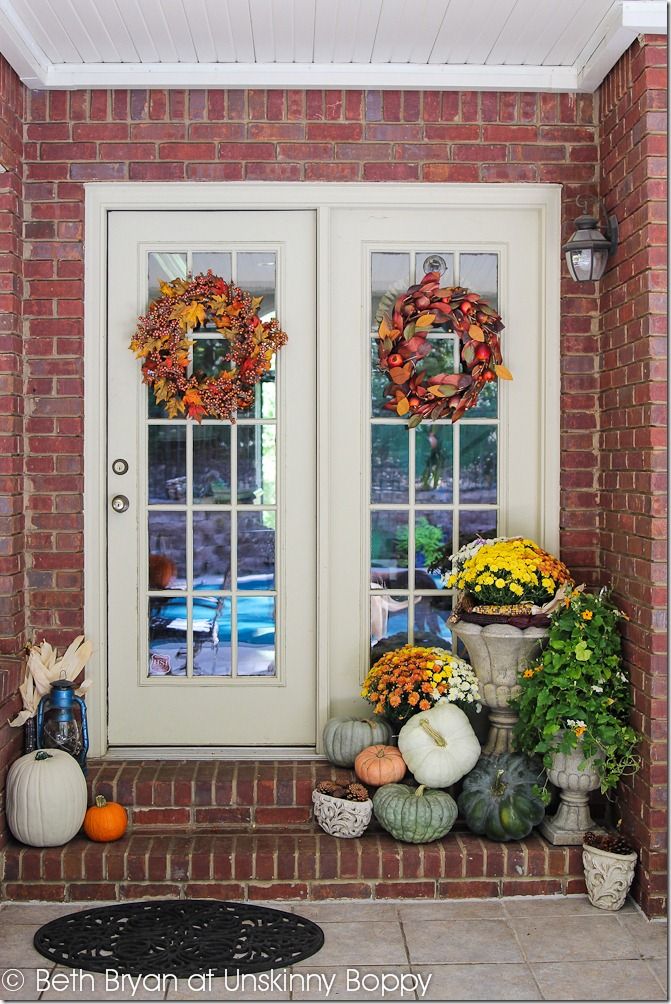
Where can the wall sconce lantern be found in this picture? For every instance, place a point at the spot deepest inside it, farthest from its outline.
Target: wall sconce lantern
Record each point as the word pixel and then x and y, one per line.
pixel 588 250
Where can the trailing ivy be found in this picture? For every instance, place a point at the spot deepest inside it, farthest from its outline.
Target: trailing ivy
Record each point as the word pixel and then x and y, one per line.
pixel 579 693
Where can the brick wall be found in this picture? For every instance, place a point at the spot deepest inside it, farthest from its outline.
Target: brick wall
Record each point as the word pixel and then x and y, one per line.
pixel 71 138
pixel 12 616
pixel 632 439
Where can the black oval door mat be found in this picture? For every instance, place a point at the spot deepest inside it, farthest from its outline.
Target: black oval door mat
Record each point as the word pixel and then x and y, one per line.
pixel 180 938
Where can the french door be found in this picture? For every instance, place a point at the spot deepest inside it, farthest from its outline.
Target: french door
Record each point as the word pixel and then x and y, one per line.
pixel 212 526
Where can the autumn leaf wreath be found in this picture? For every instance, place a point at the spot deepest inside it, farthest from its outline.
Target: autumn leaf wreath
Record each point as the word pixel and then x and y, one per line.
pixel 162 341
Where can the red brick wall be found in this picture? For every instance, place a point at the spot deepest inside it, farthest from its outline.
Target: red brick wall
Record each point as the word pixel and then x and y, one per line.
pixel 12 615
pixel 632 439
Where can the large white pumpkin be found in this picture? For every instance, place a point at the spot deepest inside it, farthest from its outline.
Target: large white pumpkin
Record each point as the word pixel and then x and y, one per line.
pixel 46 798
pixel 439 746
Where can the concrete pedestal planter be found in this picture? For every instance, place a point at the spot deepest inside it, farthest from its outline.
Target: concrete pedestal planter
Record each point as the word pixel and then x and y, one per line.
pixel 572 819
pixel 339 816
pixel 498 653
pixel 608 876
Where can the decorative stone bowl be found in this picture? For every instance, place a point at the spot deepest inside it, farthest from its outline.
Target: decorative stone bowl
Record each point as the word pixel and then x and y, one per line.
pixel 572 819
pixel 498 653
pixel 608 876
pixel 339 816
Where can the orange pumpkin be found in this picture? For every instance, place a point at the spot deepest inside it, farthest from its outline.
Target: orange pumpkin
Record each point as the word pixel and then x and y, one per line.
pixel 105 820
pixel 378 765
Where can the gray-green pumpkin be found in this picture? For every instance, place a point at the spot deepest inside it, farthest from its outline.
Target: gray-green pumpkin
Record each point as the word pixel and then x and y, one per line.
pixel 414 815
pixel 498 798
pixel 345 738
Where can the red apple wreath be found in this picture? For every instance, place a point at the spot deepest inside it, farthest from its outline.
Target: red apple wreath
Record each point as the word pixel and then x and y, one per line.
pixel 403 343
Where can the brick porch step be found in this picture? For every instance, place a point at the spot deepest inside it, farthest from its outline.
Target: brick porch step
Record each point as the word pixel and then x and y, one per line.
pixel 200 795
pixel 288 865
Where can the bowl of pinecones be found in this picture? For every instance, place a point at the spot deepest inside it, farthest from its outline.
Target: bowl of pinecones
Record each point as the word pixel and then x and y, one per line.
pixel 343 810
pixel 609 863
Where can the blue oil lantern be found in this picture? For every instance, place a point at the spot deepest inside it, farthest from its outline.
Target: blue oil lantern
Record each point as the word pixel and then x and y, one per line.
pixel 57 725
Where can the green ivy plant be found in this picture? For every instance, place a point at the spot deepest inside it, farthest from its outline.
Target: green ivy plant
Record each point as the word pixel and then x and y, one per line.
pixel 579 693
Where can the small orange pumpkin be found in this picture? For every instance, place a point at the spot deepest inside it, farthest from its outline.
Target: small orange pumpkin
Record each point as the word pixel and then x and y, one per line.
pixel 378 765
pixel 105 820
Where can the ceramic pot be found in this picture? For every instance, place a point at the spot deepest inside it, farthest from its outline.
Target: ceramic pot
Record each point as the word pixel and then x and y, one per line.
pixel 339 816
pixel 608 876
pixel 498 653
pixel 572 819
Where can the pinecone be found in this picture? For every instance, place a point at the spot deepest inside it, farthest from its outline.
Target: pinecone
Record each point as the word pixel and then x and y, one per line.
pixel 356 792
pixel 331 788
pixel 614 843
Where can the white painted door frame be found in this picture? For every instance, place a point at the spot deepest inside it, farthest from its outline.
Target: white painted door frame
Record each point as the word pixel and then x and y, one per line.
pixel 102 198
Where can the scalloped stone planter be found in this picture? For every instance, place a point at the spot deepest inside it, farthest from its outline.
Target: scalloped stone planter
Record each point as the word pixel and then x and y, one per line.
pixel 572 819
pixel 498 653
pixel 608 876
pixel 339 816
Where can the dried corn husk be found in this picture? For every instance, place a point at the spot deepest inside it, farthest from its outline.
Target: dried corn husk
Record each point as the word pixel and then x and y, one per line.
pixel 44 668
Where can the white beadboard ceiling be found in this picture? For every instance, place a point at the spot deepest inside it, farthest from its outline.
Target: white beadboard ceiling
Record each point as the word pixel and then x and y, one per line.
pixel 561 45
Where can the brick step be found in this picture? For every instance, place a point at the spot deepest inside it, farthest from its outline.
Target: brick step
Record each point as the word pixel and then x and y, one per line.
pixel 200 795
pixel 289 865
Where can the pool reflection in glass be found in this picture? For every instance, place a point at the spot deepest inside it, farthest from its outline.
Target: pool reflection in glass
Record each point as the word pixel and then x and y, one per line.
pixel 167 636
pixel 256 636
pixel 256 550
pixel 211 636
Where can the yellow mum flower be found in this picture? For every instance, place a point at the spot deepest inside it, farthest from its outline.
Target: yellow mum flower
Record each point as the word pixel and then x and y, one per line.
pixel 527 674
pixel 587 615
pixel 499 584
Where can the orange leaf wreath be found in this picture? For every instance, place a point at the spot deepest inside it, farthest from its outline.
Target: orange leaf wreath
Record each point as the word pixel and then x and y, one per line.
pixel 162 341
pixel 403 343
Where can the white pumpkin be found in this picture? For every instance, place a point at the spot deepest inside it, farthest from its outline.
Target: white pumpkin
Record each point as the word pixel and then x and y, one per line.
pixel 439 745
pixel 46 798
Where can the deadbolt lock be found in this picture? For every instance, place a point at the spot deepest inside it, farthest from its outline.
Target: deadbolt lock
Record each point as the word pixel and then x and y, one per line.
pixel 120 466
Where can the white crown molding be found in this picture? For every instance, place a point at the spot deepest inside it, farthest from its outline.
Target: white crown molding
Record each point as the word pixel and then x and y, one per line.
pixel 273 76
pixel 625 20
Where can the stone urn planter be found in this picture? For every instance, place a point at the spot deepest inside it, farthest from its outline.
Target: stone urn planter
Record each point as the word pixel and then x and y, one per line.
pixel 572 819
pixel 339 816
pixel 498 653
pixel 608 876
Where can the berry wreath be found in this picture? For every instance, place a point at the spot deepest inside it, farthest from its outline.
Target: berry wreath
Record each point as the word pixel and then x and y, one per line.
pixel 405 322
pixel 161 341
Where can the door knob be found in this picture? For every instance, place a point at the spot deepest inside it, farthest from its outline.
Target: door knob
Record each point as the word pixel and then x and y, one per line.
pixel 120 503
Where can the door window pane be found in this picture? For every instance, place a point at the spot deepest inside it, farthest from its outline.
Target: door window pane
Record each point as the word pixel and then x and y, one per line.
pixel 211 550
pixel 476 523
pixel 167 637
pixel 389 548
pixel 256 464
pixel 433 541
pixel 219 261
pixel 431 615
pixel 212 464
pixel 163 266
pixel 434 463
pixel 256 550
pixel 256 273
pixel 388 622
pixel 477 477
pixel 479 273
pixel 389 459
pixel 211 633
pixel 389 271
pixel 166 464
pixel 256 636
pixel 167 550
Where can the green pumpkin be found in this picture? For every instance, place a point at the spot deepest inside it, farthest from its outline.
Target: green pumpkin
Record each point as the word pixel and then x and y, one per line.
pixel 497 798
pixel 345 738
pixel 414 815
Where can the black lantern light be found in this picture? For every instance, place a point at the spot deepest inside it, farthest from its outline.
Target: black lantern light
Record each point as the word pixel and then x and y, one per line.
pixel 588 250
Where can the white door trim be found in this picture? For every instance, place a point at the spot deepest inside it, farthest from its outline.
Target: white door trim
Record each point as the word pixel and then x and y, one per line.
pixel 102 198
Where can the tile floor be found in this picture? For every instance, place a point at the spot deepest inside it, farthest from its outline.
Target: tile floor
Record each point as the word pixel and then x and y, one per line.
pixel 541 948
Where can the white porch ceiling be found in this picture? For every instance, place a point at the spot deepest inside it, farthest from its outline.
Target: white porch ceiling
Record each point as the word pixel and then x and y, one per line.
pixel 561 45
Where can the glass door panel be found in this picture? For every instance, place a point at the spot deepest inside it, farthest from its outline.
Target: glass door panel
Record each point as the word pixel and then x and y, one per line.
pixel 211 508
pixel 434 487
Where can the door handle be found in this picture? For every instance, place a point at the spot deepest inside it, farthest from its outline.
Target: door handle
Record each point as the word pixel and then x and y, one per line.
pixel 120 503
